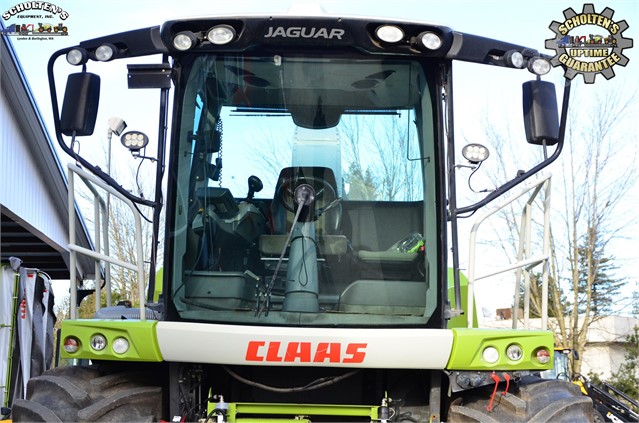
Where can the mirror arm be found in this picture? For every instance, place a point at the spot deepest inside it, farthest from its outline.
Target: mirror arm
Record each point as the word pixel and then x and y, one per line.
pixel 525 175
pixel 56 122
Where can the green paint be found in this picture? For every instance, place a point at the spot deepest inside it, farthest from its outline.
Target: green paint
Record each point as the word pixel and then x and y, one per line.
pixel 143 344
pixel 159 277
pixel 459 321
pixel 468 345
pixel 293 412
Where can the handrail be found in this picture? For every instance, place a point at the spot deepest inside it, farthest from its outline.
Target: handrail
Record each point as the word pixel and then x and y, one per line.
pixel 525 262
pixel 90 180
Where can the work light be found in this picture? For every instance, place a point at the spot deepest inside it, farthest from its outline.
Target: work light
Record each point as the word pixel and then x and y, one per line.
pixel 221 34
pixel 475 153
pixel 430 40
pixel 539 65
pixel 77 56
pixel 184 40
pixel 105 52
pixel 389 33
pixel 134 140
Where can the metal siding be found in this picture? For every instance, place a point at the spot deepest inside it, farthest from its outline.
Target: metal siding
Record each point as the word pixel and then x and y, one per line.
pixel 22 189
pixel 33 190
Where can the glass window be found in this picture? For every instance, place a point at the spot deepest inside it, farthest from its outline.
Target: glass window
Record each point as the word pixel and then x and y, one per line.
pixel 304 191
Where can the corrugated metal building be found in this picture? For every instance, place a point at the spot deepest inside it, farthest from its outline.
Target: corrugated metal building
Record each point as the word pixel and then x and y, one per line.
pixel 33 184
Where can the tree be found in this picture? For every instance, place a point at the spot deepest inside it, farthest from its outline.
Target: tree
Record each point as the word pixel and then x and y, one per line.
pixel 374 153
pixel 605 287
pixel 626 378
pixel 362 184
pixel 535 297
pixel 594 182
pixel 385 167
pixel 122 238
pixel 595 173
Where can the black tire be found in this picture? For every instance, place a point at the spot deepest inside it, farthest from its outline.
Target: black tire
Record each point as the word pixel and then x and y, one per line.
pixel 71 394
pixel 535 401
pixel 599 418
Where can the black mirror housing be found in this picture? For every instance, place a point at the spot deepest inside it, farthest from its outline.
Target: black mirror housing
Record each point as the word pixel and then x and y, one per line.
pixel 80 105
pixel 541 116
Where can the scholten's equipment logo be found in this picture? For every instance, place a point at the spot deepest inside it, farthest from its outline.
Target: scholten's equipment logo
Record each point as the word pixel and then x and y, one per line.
pixel 589 43
pixel 32 19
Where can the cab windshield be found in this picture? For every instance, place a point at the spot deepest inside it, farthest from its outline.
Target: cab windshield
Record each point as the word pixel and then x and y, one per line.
pixel 303 191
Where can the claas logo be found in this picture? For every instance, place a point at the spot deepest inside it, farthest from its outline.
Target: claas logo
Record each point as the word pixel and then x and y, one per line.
pixel 305 352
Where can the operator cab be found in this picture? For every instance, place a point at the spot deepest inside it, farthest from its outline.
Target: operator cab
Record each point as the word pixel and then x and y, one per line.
pixel 335 234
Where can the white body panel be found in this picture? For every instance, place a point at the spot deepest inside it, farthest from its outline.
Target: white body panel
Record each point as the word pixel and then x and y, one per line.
pixel 284 346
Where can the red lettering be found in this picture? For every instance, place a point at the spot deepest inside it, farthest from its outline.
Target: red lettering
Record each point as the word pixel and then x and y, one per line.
pixel 327 350
pixel 356 355
pixel 273 350
pixel 298 350
pixel 253 350
pixel 303 352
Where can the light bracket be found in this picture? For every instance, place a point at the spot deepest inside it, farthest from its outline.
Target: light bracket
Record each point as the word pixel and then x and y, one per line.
pixel 156 75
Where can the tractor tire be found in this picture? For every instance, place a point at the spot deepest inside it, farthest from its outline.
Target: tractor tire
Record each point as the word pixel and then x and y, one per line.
pixel 536 401
pixel 72 394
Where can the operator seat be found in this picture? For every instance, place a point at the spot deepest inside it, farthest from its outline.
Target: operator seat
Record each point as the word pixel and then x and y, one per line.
pixel 327 225
pixel 322 179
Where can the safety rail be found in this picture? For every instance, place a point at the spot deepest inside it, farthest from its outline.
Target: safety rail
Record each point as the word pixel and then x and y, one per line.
pixel 525 260
pixel 101 224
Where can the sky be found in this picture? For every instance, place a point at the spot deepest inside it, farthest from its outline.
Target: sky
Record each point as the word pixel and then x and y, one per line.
pixel 520 22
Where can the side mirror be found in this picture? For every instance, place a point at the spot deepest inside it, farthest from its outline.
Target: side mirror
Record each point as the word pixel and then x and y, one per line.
pixel 541 116
pixel 80 105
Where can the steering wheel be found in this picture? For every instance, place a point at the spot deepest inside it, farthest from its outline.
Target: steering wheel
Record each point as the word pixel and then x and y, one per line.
pixel 286 192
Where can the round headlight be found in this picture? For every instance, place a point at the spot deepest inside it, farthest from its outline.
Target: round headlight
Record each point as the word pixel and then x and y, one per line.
pixel 98 342
pixel 514 352
pixel 120 345
pixel 77 56
pixel 514 58
pixel 389 33
pixel 430 40
pixel 105 52
pixel 490 355
pixel 539 66
pixel 184 40
pixel 221 34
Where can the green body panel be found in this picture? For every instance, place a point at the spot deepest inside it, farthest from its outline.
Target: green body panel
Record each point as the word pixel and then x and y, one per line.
pixel 293 412
pixel 143 344
pixel 468 345
pixel 159 276
pixel 459 321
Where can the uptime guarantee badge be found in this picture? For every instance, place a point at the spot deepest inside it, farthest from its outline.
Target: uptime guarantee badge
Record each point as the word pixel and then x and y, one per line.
pixel 589 43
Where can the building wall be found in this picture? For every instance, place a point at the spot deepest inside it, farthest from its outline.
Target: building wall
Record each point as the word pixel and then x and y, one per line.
pixel 33 188
pixel 603 359
pixel 22 188
pixel 607 339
